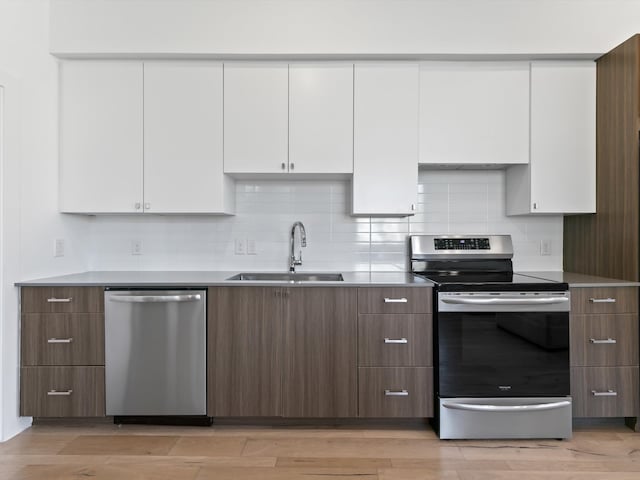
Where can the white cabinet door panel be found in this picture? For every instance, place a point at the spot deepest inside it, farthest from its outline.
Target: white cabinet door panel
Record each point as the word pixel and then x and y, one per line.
pixel 561 175
pixel 101 136
pixel 474 113
pixel 385 168
pixel 183 137
pixel 256 118
pixel 321 118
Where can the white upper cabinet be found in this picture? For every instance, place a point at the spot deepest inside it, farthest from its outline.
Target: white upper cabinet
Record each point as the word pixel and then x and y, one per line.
pixel 474 113
pixel 101 137
pixel 183 139
pixel 256 118
pixel 561 175
pixel 385 166
pixel 321 118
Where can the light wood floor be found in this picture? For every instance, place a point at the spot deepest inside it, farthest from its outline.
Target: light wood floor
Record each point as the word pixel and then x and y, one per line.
pixel 101 451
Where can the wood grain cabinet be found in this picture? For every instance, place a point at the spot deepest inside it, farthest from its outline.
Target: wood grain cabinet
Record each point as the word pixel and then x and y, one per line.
pixel 604 352
pixel 395 352
pixel 62 345
pixel 282 352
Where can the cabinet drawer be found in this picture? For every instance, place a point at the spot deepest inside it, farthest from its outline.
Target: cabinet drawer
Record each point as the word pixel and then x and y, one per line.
pixel 63 339
pixel 394 340
pixel 604 300
pixel 62 299
pixel 395 392
pixel 604 391
pixel 604 340
pixel 62 391
pixel 394 300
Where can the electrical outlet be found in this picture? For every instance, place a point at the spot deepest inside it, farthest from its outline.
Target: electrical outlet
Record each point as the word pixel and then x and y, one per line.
pixel 58 249
pixel 251 246
pixel 545 247
pixel 136 247
pixel 241 246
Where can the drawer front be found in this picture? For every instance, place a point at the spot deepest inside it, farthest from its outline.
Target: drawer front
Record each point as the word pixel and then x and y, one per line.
pixel 62 299
pixel 394 300
pixel 394 340
pixel 63 339
pixel 62 391
pixel 604 340
pixel 605 391
pixel 395 392
pixel 604 300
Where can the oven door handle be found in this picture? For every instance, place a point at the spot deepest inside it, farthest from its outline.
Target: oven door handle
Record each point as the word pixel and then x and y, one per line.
pixel 459 300
pixel 507 408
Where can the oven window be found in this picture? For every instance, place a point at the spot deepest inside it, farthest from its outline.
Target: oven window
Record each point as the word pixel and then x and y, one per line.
pixel 503 354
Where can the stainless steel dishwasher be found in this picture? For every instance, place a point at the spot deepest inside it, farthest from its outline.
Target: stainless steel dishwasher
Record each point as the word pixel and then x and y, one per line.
pixel 155 352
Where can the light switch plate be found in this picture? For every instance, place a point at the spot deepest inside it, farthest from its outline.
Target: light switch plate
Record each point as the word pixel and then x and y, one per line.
pixel 545 247
pixel 58 249
pixel 241 246
pixel 136 247
pixel 251 246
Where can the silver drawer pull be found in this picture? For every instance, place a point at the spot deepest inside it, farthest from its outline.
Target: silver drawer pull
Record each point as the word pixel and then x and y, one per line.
pixel 395 340
pixel 60 340
pixel 395 300
pixel 598 342
pixel 602 300
pixel 608 393
pixel 59 393
pixel 59 300
pixel 396 393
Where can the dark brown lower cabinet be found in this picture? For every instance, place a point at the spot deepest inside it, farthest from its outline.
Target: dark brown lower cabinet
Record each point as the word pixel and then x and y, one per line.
pixel 396 392
pixel 244 351
pixel 320 345
pixel 62 391
pixel 605 391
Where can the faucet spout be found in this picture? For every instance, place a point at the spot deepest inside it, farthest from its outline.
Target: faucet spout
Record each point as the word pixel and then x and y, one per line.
pixel 293 261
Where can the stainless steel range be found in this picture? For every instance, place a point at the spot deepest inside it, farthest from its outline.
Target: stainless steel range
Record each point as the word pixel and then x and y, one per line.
pixel 501 341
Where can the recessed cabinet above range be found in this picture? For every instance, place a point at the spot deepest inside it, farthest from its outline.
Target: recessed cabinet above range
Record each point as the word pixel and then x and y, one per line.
pixel 140 138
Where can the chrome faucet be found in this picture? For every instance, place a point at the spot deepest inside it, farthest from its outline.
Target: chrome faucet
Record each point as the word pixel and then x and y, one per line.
pixel 293 261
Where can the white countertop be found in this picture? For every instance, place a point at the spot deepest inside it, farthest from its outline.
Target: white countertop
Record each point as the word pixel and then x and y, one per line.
pixel 216 278
pixel 577 280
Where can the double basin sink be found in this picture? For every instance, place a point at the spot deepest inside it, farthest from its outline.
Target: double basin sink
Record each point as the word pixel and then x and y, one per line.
pixel 288 277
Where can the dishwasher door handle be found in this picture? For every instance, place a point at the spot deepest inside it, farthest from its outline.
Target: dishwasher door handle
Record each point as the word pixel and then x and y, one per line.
pixel 155 298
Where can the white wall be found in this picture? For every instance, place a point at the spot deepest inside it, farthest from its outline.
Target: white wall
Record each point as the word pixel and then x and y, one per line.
pixel 30 221
pixel 466 201
pixel 334 27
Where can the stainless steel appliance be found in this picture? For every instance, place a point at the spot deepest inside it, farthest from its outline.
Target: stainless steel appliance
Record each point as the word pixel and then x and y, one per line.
pixel 502 341
pixel 155 355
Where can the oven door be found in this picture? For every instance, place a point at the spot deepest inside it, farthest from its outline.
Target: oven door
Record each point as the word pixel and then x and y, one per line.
pixel 503 344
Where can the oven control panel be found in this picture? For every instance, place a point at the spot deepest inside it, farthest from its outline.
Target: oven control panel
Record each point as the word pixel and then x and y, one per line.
pixel 462 244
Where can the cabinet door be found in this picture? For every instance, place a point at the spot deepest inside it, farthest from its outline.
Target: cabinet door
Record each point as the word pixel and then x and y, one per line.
pixel 561 174
pixel 321 118
pixel 256 118
pixel 100 136
pixel 244 352
pixel 385 162
pixel 474 113
pixel 183 138
pixel 320 371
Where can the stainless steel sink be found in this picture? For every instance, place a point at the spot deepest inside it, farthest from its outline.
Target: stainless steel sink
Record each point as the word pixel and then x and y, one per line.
pixel 288 277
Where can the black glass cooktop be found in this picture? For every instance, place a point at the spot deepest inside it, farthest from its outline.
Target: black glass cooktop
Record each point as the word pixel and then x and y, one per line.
pixel 490 281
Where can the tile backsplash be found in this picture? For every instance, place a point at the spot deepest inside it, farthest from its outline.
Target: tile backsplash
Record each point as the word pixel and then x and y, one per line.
pixel 461 201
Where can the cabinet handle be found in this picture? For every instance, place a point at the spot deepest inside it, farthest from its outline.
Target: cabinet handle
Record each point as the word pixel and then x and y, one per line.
pixel 59 300
pixel 138 205
pixel 59 393
pixel 396 393
pixel 60 340
pixel 395 340
pixel 147 206
pixel 602 300
pixel 535 205
pixel 395 300
pixel 291 166
pixel 284 166
pixel 413 206
pixel 608 393
pixel 598 342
